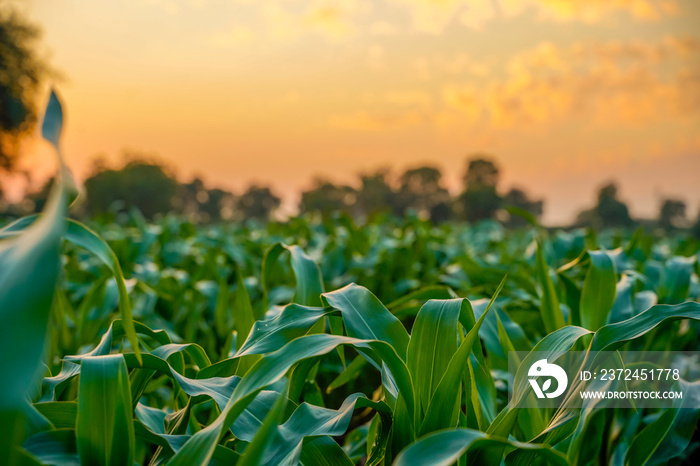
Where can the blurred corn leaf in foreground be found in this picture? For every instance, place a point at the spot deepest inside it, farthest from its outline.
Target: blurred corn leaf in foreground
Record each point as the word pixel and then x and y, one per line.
pixel 28 272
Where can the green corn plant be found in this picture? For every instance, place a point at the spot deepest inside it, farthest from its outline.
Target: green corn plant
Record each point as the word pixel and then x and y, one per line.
pixel 307 342
pixel 30 266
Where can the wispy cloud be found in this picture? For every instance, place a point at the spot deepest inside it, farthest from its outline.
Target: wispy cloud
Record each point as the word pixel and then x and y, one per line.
pixel 593 10
pixel 332 19
pixel 433 16
pixel 409 98
pixel 610 84
pixel 377 121
pixel 232 37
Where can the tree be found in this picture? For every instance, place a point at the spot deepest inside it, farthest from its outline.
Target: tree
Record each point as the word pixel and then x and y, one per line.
pixel 695 229
pixel 480 199
pixel 608 212
pixel 257 202
pixel 20 74
pixel 517 197
pixel 141 184
pixel 421 189
pixel 219 205
pixel 481 173
pixel 4 204
pixel 187 199
pixel 325 197
pixel 672 214
pixel 198 203
pixel 611 211
pixel 376 194
pixel 441 212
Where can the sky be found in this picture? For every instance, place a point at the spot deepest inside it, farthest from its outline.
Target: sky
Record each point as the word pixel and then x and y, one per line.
pixel 564 94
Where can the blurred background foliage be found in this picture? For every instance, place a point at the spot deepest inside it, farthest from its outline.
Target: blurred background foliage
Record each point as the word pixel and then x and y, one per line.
pixel 21 71
pixel 142 182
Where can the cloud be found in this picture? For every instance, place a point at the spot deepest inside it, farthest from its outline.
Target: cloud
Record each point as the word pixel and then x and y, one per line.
pixel 383 28
pixel 375 56
pixel 334 20
pixel 433 16
pixel 339 19
pixel 280 22
pixel 422 68
pixel 409 98
pixel 462 64
pixel 605 84
pixel 171 7
pixel 591 11
pixel 477 13
pixel 292 97
pixel 237 35
pixel 466 100
pixel 610 84
pixel 371 121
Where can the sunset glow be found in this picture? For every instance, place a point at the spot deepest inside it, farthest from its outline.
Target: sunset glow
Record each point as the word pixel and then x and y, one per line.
pixel 565 94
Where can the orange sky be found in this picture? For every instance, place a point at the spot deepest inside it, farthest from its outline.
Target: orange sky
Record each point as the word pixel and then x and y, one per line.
pixel 566 94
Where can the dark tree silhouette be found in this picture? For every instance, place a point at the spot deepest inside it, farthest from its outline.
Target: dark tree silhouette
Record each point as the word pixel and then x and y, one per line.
pixel 517 197
pixel 219 205
pixel 441 212
pixel 672 214
pixel 325 197
pixel 695 229
pixel 188 197
pixel 20 74
pixel 141 184
pixel 421 189
pixel 257 202
pixel 609 212
pixel 198 203
pixel 480 199
pixel 481 173
pixel 376 194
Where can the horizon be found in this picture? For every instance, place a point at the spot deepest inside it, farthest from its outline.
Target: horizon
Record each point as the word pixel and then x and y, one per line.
pixel 564 101
pixel 292 208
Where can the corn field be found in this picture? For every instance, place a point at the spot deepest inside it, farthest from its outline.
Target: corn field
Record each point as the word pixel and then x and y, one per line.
pixel 325 342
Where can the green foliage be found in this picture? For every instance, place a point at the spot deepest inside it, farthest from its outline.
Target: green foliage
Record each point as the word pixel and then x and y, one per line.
pixel 521 208
pixel 272 343
pixel 421 189
pixel 480 200
pixel 695 230
pixel 598 291
pixel 420 192
pixel 197 202
pixel 258 202
pixel 415 367
pixel 672 214
pixel 326 198
pixel 609 211
pixel 104 429
pixel 140 184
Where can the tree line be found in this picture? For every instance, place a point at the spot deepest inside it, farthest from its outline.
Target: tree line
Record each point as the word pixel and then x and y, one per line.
pixel 144 184
pixel 21 72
